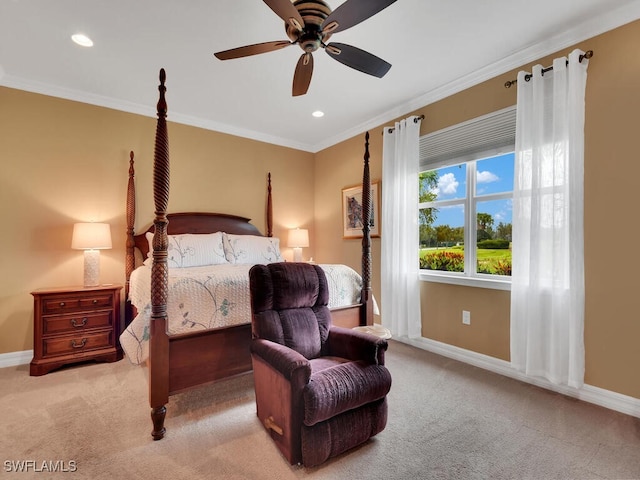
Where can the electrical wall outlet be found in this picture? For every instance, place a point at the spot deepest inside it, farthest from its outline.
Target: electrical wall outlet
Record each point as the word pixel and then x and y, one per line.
pixel 466 317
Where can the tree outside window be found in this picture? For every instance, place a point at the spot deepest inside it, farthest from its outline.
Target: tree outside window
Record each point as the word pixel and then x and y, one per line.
pixel 465 217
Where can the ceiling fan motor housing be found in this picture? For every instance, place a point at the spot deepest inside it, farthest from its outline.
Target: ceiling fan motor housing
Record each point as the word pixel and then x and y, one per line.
pixel 314 13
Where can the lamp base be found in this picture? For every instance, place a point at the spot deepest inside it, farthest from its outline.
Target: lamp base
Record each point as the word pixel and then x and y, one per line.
pixel 91 268
pixel 297 254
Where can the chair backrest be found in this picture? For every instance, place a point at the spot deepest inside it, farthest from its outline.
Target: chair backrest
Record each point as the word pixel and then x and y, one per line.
pixel 289 306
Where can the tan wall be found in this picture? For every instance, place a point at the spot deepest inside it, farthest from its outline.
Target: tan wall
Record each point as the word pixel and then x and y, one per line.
pixel 612 170
pixel 62 162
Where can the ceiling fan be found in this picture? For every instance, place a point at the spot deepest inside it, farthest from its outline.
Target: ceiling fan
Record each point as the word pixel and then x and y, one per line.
pixel 310 23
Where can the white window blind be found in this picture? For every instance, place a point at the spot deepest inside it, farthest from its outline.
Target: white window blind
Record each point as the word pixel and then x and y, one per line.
pixel 488 135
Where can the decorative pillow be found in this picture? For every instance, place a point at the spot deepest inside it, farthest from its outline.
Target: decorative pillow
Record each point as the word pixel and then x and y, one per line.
pixel 193 250
pixel 251 249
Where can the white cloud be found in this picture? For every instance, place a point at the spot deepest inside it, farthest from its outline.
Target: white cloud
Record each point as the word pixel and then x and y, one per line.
pixel 487 177
pixel 447 184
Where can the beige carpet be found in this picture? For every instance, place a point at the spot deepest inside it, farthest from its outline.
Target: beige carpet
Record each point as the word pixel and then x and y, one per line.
pixel 447 420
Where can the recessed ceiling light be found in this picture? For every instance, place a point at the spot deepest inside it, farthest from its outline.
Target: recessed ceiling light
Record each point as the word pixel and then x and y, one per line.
pixel 82 39
pixel 318 114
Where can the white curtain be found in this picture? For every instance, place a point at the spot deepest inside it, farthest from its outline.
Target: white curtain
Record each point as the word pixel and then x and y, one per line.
pixel 400 307
pixel 547 292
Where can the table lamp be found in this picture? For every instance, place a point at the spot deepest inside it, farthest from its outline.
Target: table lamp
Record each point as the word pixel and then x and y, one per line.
pixel 298 238
pixel 91 237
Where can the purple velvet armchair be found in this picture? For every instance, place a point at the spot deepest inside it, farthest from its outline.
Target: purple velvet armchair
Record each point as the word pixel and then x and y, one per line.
pixel 320 390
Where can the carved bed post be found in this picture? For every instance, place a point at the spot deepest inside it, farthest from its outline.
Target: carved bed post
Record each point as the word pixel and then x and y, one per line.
pixel 159 342
pixel 130 245
pixel 269 208
pixel 367 296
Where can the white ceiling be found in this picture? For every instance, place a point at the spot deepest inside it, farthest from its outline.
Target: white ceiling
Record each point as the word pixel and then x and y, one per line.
pixel 436 48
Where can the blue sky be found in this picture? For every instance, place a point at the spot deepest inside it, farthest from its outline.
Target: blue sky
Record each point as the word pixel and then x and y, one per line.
pixel 494 175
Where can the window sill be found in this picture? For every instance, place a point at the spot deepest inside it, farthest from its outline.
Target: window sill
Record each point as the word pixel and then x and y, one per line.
pixel 495 284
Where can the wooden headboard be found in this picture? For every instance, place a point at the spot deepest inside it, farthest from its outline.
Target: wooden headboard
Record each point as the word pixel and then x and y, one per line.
pixel 199 222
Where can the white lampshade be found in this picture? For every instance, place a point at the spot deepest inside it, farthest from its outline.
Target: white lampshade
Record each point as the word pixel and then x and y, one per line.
pixel 298 238
pixel 91 237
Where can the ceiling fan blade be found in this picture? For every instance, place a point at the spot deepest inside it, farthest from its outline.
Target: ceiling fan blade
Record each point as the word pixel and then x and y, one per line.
pixel 352 12
pixel 302 76
pixel 359 59
pixel 286 11
pixel 254 49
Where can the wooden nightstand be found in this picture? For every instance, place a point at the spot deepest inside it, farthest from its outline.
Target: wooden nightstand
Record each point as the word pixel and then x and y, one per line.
pixel 75 324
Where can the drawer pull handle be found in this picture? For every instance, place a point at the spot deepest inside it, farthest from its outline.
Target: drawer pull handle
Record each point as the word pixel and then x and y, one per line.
pixel 95 301
pixel 62 304
pixel 75 323
pixel 81 345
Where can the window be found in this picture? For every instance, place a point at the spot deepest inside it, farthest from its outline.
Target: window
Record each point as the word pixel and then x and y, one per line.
pixel 466 191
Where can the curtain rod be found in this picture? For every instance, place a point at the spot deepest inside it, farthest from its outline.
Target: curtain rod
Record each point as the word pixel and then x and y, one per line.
pixel 415 120
pixel 588 54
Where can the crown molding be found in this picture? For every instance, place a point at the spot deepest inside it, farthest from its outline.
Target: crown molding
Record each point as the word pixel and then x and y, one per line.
pixel 32 86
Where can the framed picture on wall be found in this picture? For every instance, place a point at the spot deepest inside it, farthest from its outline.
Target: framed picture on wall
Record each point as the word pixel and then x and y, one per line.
pixel 352 211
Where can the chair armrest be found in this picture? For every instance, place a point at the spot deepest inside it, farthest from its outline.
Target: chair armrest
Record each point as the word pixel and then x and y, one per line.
pixel 354 345
pixel 283 359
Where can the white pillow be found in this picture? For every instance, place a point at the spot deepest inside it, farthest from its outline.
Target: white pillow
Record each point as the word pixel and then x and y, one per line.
pixel 192 250
pixel 251 249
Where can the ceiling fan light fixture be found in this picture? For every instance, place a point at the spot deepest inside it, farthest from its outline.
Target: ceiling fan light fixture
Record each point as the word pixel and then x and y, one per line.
pixel 82 40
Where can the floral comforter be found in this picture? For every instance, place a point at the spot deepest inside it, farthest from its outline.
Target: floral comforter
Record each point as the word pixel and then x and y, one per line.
pixel 209 297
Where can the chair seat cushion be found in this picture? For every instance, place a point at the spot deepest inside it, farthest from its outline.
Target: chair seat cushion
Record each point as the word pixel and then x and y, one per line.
pixel 343 387
pixel 322 363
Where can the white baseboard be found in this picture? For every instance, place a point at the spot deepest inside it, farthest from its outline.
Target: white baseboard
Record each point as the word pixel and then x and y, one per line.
pixel 598 396
pixel 13 359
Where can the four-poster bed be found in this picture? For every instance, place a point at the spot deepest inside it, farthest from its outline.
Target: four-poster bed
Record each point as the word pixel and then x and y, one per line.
pixel 179 361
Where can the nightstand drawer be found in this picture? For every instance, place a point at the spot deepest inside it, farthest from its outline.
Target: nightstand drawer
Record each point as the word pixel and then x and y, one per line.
pixel 77 343
pixel 62 303
pixel 76 322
